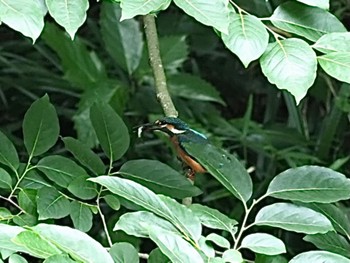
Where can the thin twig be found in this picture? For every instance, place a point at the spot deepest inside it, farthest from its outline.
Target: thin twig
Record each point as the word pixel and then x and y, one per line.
pixel 143 256
pixel 244 222
pixel 110 243
pixel 13 203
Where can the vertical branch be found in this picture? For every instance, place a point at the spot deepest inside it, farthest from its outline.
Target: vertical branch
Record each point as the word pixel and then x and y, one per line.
pixel 157 66
pixel 159 75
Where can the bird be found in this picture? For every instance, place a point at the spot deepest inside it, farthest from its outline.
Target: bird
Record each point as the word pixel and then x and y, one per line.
pixel 180 135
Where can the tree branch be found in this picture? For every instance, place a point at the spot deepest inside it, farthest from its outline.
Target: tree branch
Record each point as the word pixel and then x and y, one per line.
pixel 157 66
pixel 159 75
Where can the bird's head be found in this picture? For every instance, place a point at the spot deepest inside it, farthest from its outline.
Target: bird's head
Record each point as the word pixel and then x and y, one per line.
pixel 169 125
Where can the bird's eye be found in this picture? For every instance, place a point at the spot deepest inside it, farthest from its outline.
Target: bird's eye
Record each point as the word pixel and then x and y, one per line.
pixel 158 122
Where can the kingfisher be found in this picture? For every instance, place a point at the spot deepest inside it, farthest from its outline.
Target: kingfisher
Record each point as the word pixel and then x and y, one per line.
pixel 180 134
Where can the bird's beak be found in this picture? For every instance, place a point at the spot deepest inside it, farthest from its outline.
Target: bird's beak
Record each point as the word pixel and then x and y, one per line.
pixel 147 127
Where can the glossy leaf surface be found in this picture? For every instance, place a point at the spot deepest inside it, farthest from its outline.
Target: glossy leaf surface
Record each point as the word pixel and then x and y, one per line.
pixel 111 131
pixel 224 167
pixel 290 64
pixel 264 244
pixel 211 13
pixel 70 14
pixel 212 218
pixel 159 178
pixel 247 37
pixel 293 218
pixel 84 155
pixel 40 127
pixel 310 184
pixel 306 21
pixel 8 153
pixel 319 257
pixel 60 170
pixel 337 65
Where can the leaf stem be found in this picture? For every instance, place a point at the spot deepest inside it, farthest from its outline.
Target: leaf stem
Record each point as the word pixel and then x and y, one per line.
pixel 110 243
pixel 240 11
pixel 20 178
pixel 244 222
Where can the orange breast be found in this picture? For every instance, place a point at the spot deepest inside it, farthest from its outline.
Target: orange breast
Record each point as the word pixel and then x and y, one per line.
pixel 195 166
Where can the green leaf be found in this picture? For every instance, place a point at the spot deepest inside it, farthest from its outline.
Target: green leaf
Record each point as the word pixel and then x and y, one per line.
pixel 224 167
pixel 331 242
pixel 82 188
pixel 305 21
pixel 70 14
pixel 77 244
pixel 5 214
pixel 206 248
pixel 180 213
pixel 7 233
pixel 40 127
pixel 5 180
pixel 174 247
pixel 15 258
pixel 293 218
pixel 216 260
pixel 337 65
pixel 232 256
pixel 112 201
pixel 173 51
pixel 193 87
pixel 132 8
pixel 310 184
pixel 51 204
pixel 81 67
pixel 25 220
pixel 218 240
pixel 319 257
pixel 212 218
pixel 101 92
pixel 23 16
pixel 111 131
pixel 333 42
pixel 8 153
pixel 337 216
pixel 124 253
pixel 324 4
pixel 145 198
pixel 60 170
pixel 156 256
pixel 290 64
pixel 270 259
pixel 213 13
pixel 138 224
pixel 264 244
pixel 59 258
pixel 247 37
pixel 81 216
pixel 84 155
pixel 36 245
pixel 123 40
pixel 33 180
pixel 27 200
pixel 159 177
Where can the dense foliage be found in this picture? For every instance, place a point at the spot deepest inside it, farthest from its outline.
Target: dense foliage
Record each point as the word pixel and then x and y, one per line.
pixel 77 185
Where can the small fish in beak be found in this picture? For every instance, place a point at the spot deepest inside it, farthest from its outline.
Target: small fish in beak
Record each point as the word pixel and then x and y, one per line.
pixel 147 127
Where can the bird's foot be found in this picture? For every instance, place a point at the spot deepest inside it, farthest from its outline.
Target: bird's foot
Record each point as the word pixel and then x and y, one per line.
pixel 190 174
